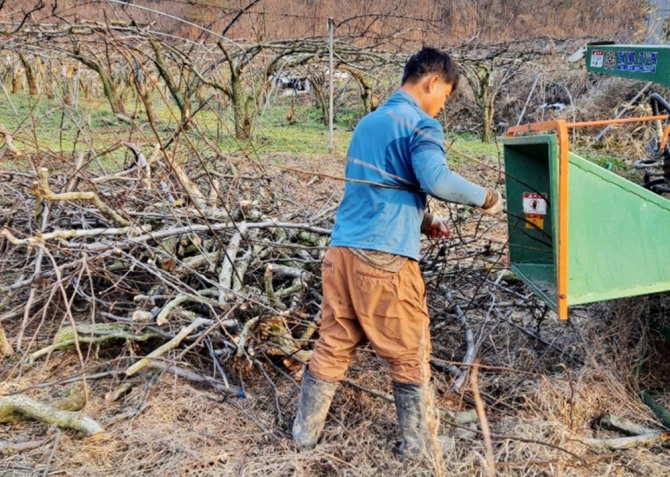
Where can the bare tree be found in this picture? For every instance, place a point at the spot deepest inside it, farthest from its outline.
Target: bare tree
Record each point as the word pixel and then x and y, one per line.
pixel 182 88
pixel 31 74
pixel 105 66
pixel 487 75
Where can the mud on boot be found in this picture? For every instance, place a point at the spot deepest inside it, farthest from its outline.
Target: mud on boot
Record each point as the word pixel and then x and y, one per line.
pixel 412 413
pixel 313 404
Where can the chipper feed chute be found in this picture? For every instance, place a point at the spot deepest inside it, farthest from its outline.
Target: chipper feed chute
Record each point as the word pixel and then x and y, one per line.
pixel 577 232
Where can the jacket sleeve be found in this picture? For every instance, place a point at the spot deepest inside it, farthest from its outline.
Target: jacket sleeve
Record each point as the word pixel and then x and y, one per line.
pixel 432 172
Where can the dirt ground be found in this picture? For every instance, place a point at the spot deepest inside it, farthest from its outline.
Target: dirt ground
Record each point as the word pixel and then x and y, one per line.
pixel 543 384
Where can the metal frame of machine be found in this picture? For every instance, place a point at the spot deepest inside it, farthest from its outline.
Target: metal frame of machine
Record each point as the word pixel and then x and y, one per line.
pixel 561 298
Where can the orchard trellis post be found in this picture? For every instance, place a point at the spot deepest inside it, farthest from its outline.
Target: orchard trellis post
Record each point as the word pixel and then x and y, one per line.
pixel 331 84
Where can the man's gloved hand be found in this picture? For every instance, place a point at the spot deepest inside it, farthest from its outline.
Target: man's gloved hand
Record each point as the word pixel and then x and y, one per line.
pixel 435 226
pixel 493 205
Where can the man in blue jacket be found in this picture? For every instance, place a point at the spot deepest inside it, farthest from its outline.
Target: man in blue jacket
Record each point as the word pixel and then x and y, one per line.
pixel 372 285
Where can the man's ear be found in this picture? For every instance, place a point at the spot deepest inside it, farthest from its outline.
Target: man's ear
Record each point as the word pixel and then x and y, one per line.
pixel 432 81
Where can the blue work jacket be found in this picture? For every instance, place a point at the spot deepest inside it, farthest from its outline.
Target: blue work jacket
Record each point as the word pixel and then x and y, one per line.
pixel 396 157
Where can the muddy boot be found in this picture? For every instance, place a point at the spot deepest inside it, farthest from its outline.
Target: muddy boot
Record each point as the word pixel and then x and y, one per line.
pixel 410 405
pixel 313 404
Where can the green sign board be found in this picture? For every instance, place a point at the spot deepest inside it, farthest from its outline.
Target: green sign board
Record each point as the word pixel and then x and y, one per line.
pixel 641 62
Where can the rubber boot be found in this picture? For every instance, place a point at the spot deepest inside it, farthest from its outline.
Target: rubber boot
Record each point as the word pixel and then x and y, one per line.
pixel 313 404
pixel 411 409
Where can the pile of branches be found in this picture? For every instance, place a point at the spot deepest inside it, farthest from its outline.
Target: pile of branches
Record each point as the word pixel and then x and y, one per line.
pixel 149 256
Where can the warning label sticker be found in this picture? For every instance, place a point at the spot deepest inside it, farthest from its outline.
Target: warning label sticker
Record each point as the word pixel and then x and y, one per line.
pixel 534 221
pixel 597 58
pixel 534 209
pixel 534 203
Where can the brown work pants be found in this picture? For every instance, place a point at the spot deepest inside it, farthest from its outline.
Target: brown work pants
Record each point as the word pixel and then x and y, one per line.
pixel 389 309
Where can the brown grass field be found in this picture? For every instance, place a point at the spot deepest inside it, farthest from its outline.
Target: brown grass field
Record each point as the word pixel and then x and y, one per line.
pixel 543 383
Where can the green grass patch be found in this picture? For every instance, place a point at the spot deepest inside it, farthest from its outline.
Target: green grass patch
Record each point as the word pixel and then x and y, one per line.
pixel 461 147
pixel 290 139
pixel 617 165
pixel 290 126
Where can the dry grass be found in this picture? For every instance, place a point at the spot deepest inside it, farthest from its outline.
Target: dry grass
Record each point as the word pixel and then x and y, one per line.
pixel 542 392
pixel 539 407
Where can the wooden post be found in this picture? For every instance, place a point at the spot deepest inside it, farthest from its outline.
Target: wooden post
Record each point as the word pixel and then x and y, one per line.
pixel 75 93
pixel 9 100
pixel 331 84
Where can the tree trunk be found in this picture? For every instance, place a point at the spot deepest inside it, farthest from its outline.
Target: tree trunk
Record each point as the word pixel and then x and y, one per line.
pixel 320 96
pixel 108 87
pixel 487 120
pixel 115 101
pixel 185 112
pixel 241 106
pixel 44 69
pixel 486 103
pixel 478 75
pixel 366 89
pixel 183 100
pixel 31 77
pixel 16 81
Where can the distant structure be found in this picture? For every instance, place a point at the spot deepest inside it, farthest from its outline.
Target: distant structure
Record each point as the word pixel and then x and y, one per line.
pixel 289 81
pixel 658 24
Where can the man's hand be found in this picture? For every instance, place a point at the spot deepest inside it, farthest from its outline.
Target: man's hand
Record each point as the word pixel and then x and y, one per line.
pixel 493 205
pixel 438 228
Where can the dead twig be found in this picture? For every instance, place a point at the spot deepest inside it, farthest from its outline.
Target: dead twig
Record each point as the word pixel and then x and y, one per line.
pixel 490 467
pixel 48 194
pixel 173 343
pixel 11 407
pixel 13 448
pixel 619 443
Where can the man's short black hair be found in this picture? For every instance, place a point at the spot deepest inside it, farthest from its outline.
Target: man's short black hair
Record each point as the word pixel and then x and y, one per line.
pixel 430 61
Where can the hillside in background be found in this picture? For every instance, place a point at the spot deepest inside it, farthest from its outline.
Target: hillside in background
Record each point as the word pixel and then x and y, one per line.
pixel 397 21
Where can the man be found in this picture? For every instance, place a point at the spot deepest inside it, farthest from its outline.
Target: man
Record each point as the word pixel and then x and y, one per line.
pixel 372 286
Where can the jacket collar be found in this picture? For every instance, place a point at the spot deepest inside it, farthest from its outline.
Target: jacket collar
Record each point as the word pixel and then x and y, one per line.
pixel 401 95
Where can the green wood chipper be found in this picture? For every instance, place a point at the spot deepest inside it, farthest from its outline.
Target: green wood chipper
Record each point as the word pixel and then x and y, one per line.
pixel 579 233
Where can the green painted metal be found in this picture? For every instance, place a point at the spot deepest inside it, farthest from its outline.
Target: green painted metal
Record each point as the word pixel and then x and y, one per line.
pixel 618 236
pixel 618 232
pixel 528 169
pixel 641 62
